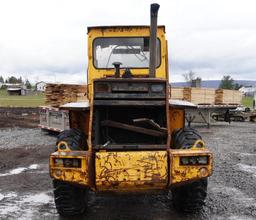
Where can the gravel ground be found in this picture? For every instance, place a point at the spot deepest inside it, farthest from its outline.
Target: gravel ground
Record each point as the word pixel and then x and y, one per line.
pixel 26 189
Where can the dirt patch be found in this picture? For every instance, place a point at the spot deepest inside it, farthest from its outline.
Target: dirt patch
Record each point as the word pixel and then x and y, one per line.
pixel 19 117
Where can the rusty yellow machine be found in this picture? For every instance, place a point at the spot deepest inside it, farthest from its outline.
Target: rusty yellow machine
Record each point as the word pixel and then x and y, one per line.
pixel 129 137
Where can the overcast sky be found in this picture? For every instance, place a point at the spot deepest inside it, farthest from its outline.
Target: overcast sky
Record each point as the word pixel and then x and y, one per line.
pixel 46 40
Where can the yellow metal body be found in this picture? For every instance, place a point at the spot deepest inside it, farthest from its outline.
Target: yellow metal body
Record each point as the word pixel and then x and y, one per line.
pixel 124 31
pixel 180 173
pixel 128 170
pixel 131 170
pixel 82 175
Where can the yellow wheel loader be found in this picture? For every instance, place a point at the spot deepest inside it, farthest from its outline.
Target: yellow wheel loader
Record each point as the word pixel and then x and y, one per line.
pixel 130 136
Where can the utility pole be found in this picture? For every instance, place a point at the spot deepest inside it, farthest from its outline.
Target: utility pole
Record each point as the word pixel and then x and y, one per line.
pixel 254 101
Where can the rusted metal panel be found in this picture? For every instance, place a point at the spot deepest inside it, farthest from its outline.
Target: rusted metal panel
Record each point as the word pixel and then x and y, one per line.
pixel 182 173
pixel 176 118
pixel 126 95
pixel 83 175
pixel 80 120
pixel 126 87
pixel 131 171
pixel 131 147
pixel 128 103
pixel 130 89
pixel 122 28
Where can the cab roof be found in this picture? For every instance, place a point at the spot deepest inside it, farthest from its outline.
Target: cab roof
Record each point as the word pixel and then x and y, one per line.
pixel 116 27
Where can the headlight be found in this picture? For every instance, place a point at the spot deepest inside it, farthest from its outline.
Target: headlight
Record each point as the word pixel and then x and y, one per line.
pixel 67 162
pixel 202 160
pixel 157 88
pixel 58 162
pixel 184 160
pixel 194 160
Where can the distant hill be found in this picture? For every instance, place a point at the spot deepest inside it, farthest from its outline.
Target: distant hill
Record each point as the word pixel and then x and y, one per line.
pixel 215 83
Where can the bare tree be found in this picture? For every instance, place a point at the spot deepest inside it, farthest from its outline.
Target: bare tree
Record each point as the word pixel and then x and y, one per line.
pixel 189 77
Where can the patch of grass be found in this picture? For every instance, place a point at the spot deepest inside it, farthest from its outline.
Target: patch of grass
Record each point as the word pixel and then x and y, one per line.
pixel 247 101
pixel 33 100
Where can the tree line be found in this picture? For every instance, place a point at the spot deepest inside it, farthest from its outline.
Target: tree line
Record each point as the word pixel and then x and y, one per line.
pixel 16 80
pixel 227 82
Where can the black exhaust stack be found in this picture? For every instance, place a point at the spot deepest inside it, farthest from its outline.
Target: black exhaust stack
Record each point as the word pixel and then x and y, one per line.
pixel 152 42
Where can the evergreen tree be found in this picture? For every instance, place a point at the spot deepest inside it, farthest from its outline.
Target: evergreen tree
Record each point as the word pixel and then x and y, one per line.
pixel 226 83
pixel 28 84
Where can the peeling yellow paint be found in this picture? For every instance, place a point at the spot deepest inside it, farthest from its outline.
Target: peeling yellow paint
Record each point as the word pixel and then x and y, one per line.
pixel 181 173
pixel 132 170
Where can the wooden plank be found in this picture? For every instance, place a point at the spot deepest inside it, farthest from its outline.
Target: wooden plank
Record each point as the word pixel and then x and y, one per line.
pixel 149 122
pixel 177 93
pixel 225 96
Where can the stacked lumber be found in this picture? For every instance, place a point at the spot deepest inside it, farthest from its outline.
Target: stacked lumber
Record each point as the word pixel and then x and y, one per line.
pixel 59 94
pixel 199 95
pixel 226 96
pixel 177 93
pixel 206 95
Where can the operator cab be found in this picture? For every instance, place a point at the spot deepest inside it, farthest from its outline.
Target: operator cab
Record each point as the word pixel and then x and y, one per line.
pixel 129 105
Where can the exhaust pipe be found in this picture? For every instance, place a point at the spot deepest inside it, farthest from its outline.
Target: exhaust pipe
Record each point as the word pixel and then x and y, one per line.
pixel 152 42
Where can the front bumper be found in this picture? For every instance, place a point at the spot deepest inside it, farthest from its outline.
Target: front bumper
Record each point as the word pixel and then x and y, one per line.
pixel 130 170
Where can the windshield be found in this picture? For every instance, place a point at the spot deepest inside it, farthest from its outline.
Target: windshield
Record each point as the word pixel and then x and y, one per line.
pixel 132 52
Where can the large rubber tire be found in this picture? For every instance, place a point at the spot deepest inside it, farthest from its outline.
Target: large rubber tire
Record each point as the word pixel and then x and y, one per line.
pixel 69 200
pixel 184 138
pixel 75 139
pixel 189 197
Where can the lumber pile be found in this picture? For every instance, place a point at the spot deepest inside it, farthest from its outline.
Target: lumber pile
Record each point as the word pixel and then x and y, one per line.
pixel 206 95
pixel 199 95
pixel 194 95
pixel 59 94
pixel 177 93
pixel 226 96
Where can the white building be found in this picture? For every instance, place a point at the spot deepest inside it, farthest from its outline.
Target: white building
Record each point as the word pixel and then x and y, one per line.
pixel 40 86
pixel 248 90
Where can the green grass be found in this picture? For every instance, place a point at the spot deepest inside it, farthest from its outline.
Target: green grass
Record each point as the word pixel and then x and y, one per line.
pixel 34 100
pixel 247 101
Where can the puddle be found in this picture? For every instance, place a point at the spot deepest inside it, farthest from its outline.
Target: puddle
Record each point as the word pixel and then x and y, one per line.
pixel 38 198
pixel 8 195
pixel 247 168
pixel 20 170
pixel 13 206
